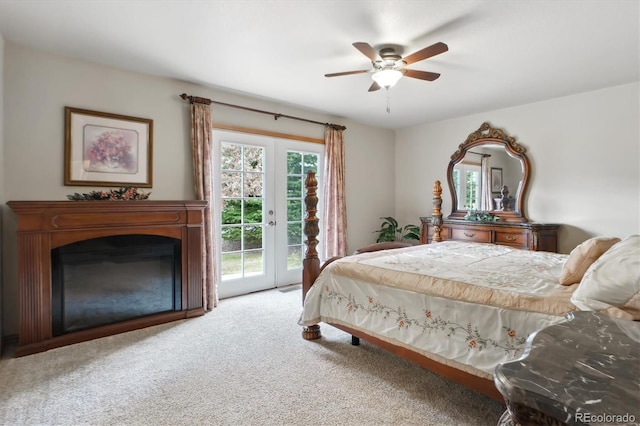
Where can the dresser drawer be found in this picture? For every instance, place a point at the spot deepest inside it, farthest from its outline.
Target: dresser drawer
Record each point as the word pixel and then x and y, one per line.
pixel 474 235
pixel 511 238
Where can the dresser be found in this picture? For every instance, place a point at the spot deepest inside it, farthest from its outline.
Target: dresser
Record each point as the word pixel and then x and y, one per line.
pixel 525 235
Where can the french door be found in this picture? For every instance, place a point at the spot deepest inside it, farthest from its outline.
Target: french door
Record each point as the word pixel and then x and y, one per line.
pixel 260 218
pixel 467 180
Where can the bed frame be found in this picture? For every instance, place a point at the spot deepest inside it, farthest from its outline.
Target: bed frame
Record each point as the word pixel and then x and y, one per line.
pixel 311 269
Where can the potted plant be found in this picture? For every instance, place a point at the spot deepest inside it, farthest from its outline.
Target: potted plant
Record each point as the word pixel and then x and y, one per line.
pixel 391 231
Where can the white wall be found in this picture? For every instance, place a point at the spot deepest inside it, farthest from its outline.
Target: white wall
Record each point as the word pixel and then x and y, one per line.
pixel 584 151
pixel 39 85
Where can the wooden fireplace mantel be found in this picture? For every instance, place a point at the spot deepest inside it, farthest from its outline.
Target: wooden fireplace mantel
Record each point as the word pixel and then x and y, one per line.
pixel 45 225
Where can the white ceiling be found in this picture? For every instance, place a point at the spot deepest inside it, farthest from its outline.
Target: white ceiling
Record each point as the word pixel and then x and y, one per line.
pixel 501 52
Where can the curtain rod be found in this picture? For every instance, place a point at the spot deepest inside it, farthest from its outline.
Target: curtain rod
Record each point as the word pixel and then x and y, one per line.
pixel 479 153
pixel 196 99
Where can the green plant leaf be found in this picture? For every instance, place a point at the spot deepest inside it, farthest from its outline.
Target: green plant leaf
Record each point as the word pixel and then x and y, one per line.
pixel 391 231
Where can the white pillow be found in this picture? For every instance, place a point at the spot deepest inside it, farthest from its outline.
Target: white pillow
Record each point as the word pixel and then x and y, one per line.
pixel 583 256
pixel 613 280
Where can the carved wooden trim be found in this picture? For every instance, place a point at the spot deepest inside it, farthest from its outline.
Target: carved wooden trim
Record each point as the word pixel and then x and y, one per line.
pixel 487 132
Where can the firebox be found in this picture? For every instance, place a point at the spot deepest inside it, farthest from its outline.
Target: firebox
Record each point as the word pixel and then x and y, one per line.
pixel 107 280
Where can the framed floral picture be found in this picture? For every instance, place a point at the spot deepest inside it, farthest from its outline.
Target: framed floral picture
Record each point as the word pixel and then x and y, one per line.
pixel 103 149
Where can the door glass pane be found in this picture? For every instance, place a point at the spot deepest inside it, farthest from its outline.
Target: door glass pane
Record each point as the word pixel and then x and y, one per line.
pixel 294 233
pixel 253 262
pixel 294 186
pixel 231 212
pixel 253 183
pixel 294 210
pixel 252 237
pixel 310 163
pixel 294 163
pixel 231 238
pixel 231 265
pixel 253 158
pixel 294 258
pixel 253 211
pixel 231 156
pixel 231 184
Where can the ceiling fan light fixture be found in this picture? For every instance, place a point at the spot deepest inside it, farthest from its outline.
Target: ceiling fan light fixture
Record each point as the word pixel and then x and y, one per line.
pixel 387 77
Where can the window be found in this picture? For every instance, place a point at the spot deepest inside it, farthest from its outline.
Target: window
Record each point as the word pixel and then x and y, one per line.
pixel 467 181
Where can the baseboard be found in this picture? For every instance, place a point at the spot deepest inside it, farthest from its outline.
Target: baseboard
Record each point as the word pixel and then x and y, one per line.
pixel 289 288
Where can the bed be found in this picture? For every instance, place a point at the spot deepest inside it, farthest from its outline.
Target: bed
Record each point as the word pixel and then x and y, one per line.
pixel 460 308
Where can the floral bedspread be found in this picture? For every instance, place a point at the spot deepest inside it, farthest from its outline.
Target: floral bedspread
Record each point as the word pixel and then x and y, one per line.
pixel 464 304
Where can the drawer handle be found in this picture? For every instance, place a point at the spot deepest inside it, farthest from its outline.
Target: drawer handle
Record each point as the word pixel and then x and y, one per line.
pixel 510 238
pixel 470 234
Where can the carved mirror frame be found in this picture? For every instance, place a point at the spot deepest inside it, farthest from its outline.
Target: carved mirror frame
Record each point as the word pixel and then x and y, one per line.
pixel 489 135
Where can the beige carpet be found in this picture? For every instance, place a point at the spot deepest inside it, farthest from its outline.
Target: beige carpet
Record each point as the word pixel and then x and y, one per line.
pixel 245 363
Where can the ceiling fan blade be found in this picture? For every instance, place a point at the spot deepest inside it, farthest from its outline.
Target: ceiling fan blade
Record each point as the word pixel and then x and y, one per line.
pixel 366 50
pixel 427 52
pixel 337 74
pixel 421 75
pixel 375 86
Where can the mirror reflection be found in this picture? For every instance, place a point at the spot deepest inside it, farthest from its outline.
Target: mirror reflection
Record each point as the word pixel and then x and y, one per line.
pixel 482 176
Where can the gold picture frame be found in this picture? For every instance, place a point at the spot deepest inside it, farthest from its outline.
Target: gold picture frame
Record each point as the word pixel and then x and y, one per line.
pixel 103 149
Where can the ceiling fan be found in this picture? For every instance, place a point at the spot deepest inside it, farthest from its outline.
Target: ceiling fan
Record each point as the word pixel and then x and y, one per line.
pixel 389 66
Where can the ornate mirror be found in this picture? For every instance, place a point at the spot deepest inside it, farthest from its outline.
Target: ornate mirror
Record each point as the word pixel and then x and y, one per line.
pixel 488 175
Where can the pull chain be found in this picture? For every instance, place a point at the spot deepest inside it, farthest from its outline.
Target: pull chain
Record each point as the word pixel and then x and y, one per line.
pixel 388 101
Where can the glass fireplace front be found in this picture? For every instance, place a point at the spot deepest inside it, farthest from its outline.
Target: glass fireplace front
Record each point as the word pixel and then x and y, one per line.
pixel 113 279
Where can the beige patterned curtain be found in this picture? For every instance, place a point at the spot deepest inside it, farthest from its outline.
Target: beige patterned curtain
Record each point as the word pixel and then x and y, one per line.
pixel 334 217
pixel 201 149
pixel 486 200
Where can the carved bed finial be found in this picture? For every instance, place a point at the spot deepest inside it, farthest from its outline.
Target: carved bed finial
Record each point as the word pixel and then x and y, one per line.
pixel 436 215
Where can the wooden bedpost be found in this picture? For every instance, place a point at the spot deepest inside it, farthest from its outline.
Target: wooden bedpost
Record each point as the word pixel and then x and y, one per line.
pixel 436 215
pixel 311 262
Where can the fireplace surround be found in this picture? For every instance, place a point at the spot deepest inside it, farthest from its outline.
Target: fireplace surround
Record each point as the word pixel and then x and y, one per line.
pixel 44 227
